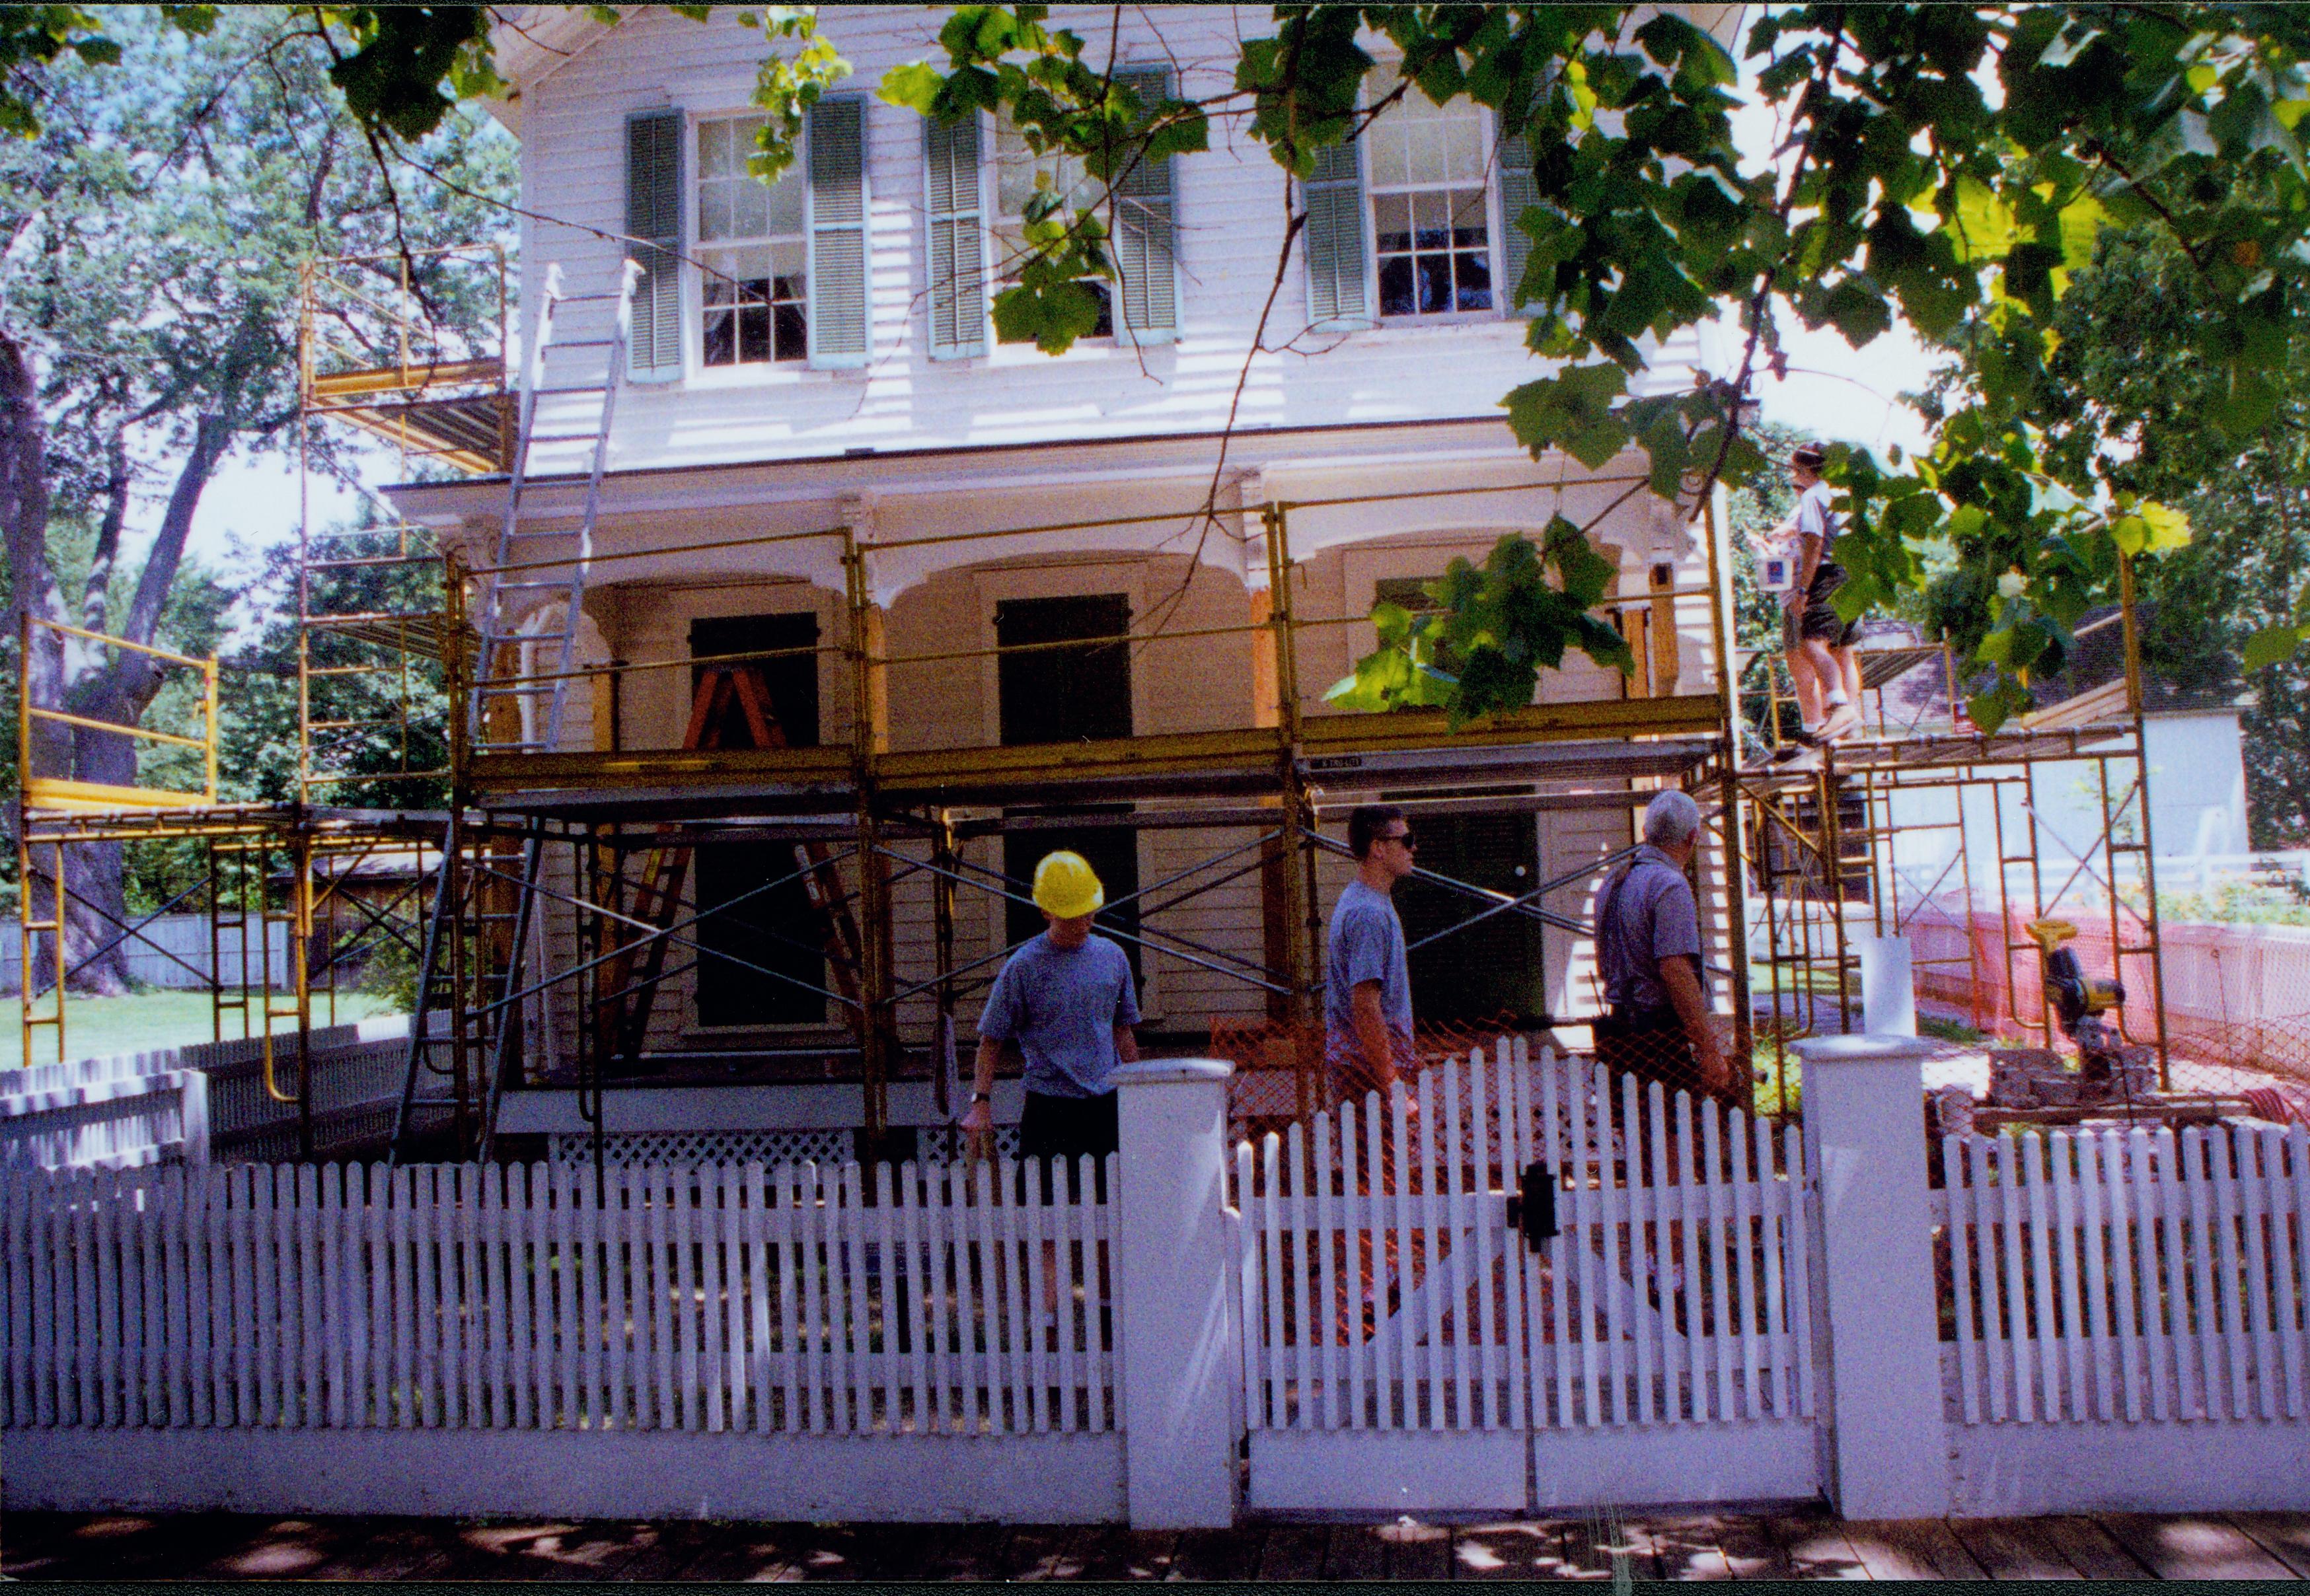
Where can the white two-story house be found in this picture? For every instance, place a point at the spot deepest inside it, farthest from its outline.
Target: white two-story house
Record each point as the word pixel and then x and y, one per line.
pixel 823 451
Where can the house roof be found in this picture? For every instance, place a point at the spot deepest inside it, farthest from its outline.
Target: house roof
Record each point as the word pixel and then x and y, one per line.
pixel 2096 667
pixel 533 42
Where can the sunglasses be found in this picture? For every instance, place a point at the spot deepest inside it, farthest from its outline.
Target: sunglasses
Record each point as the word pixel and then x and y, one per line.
pixel 1405 837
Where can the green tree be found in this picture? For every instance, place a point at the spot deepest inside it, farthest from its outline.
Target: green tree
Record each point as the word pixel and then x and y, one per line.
pixel 2125 394
pixel 158 219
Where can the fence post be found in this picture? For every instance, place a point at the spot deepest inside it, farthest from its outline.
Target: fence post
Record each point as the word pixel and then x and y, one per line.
pixel 193 1115
pixel 1179 1354
pixel 1865 1143
pixel 1888 994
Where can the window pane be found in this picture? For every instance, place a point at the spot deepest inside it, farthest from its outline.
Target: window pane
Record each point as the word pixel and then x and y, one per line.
pixel 1468 223
pixel 1389 165
pixel 1431 221
pixel 712 149
pixel 1473 271
pixel 1426 145
pixel 1391 222
pixel 1463 148
pixel 750 208
pixel 793 332
pixel 783 200
pixel 753 331
pixel 1435 284
pixel 721 338
pixel 713 210
pixel 1395 296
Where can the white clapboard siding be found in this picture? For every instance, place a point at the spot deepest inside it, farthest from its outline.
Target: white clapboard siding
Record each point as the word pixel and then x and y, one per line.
pixel 711 1297
pixel 1383 1288
pixel 2128 1274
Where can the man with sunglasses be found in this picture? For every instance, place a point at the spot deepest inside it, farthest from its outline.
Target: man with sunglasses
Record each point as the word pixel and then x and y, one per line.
pixel 1366 976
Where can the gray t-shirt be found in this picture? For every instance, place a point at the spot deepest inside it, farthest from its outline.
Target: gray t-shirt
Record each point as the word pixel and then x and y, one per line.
pixel 1366 945
pixel 1652 918
pixel 1816 520
pixel 1062 1005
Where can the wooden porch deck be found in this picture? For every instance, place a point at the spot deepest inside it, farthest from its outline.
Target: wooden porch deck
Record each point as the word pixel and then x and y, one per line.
pixel 1725 1546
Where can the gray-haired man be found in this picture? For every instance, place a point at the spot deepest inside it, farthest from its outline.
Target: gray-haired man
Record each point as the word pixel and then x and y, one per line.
pixel 1648 957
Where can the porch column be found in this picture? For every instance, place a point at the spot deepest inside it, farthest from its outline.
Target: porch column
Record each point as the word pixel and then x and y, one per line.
pixel 1864 1130
pixel 1179 1351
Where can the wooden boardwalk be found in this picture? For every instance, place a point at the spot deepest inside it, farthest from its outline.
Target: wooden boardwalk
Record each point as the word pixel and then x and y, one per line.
pixel 1794 1545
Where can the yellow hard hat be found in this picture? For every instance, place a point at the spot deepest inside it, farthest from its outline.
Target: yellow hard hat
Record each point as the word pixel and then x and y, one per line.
pixel 1066 888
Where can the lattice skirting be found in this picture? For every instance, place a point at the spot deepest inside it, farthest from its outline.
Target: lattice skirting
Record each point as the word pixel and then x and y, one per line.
pixel 741 1147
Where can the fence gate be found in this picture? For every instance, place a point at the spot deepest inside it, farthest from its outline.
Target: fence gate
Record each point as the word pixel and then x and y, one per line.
pixel 1533 1283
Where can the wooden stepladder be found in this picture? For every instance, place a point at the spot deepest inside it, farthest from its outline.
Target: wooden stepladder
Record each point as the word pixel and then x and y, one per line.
pixel 621 1017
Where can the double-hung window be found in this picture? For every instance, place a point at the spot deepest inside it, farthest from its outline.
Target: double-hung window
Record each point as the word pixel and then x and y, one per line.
pixel 1431 204
pixel 976 220
pixel 1020 174
pixel 1401 225
pixel 778 270
pixel 753 252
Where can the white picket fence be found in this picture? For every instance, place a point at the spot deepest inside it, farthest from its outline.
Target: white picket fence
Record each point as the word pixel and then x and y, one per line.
pixel 2124 1275
pixel 1383 1288
pixel 202 1100
pixel 796 1299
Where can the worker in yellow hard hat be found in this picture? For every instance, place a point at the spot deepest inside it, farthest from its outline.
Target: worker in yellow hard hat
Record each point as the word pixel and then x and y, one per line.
pixel 1067 998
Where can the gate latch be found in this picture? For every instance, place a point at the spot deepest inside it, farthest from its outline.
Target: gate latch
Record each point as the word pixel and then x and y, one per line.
pixel 1532 1206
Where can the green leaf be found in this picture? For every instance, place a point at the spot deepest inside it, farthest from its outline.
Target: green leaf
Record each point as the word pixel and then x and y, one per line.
pixel 1573 411
pixel 914 86
pixel 2272 645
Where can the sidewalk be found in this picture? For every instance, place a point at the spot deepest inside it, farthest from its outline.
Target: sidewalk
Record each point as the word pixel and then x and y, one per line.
pixel 1794 1544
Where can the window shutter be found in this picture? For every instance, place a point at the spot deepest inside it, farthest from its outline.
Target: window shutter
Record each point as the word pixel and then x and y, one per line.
pixel 1517 193
pixel 653 221
pixel 1144 235
pixel 1335 240
pixel 838 232
pixel 957 251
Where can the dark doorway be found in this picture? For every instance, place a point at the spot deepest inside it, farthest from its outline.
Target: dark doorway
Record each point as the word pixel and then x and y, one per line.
pixel 1491 969
pixel 793 679
pixel 1063 695
pixel 1068 695
pixel 777 930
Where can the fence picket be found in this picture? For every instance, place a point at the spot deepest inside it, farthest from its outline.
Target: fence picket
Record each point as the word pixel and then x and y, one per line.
pixel 2191 1400
pixel 2246 1151
pixel 570 1330
pixel 1691 1195
pixel 2060 1151
pixel 1798 1195
pixel 1614 1134
pixel 1773 1216
pixel 1522 1363
pixel 2093 1186
pixel 2207 1324
pixel 2237 1309
pixel 2298 1163
pixel 2120 1167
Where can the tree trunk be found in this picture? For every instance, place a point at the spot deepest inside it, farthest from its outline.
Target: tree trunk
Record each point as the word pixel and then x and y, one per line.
pixel 120 691
pixel 32 591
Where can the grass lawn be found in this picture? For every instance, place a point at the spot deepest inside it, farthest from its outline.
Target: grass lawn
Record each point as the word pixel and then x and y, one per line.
pixel 96 1026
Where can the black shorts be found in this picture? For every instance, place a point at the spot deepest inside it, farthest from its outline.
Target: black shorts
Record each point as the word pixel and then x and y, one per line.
pixel 1055 1127
pixel 1818 618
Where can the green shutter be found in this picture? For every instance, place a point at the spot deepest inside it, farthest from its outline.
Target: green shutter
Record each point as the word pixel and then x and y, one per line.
pixel 838 232
pixel 1517 194
pixel 957 250
pixel 653 227
pixel 1144 235
pixel 1334 239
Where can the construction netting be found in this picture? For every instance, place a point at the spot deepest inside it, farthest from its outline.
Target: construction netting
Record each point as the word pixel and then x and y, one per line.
pixel 1279 1066
pixel 2237 997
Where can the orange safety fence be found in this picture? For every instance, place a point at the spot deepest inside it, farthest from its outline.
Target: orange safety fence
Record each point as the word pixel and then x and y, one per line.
pixel 2237 997
pixel 1270 1057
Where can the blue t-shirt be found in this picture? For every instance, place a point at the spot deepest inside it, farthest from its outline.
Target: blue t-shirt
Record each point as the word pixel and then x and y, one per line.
pixel 1062 1005
pixel 1366 945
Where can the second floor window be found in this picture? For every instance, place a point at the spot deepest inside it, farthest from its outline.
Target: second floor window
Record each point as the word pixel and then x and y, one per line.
pixel 1430 207
pixel 753 252
pixel 1020 174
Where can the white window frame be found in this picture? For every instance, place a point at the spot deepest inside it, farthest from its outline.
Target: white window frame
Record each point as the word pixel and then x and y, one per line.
pixel 1495 248
pixel 693 272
